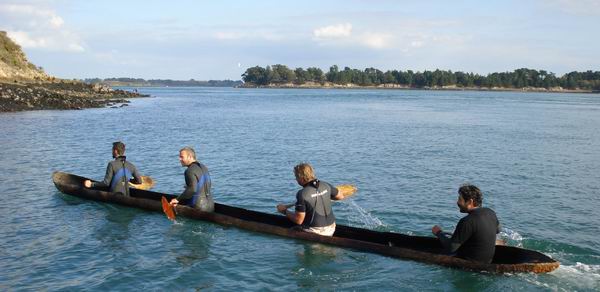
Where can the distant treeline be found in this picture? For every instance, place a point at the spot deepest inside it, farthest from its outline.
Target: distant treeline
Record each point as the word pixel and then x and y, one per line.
pixel 520 78
pixel 162 82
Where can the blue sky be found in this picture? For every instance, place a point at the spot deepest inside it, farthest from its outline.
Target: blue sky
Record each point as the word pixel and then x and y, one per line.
pixel 220 39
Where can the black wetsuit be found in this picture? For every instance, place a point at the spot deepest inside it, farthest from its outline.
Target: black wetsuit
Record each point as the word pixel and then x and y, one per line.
pixel 118 173
pixel 197 188
pixel 474 237
pixel 315 200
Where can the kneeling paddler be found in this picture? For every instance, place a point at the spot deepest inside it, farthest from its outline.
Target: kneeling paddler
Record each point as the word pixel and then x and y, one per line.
pixel 313 210
pixel 119 173
pixel 197 192
pixel 475 235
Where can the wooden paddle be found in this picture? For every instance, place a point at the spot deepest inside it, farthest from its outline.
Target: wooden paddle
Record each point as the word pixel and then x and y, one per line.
pixel 147 183
pixel 167 208
pixel 346 189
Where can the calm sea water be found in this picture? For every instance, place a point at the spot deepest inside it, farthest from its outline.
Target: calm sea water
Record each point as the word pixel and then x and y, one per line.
pixel 536 157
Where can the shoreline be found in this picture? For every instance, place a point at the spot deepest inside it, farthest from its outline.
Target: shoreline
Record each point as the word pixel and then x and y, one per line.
pixel 329 85
pixel 26 95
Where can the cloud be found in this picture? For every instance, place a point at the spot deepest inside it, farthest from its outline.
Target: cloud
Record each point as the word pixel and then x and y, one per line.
pixel 250 35
pixel 341 34
pixel 376 40
pixel 416 44
pixel 333 31
pixel 576 7
pixel 33 27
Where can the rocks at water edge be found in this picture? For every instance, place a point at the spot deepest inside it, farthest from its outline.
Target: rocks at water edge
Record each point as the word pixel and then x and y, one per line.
pixel 23 95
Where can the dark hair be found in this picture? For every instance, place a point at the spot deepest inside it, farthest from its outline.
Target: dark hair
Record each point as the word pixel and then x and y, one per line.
pixel 471 192
pixel 120 147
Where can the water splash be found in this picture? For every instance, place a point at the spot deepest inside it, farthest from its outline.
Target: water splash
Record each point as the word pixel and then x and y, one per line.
pixel 364 217
pixel 580 275
pixel 511 237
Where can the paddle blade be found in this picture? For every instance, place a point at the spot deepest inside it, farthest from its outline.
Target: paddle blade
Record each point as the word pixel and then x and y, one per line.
pixel 347 190
pixel 167 208
pixel 147 183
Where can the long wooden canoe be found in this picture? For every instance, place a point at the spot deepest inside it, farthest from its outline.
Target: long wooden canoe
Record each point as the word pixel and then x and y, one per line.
pixel 507 259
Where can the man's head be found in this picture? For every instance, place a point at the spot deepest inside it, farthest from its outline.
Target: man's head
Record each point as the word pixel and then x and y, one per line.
pixel 118 149
pixel 187 156
pixel 469 197
pixel 304 173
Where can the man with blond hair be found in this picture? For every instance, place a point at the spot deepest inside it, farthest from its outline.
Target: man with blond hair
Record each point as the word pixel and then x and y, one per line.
pixel 313 210
pixel 197 192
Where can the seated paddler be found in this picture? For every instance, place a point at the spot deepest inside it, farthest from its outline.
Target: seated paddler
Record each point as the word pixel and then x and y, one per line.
pixel 313 210
pixel 197 192
pixel 119 173
pixel 474 237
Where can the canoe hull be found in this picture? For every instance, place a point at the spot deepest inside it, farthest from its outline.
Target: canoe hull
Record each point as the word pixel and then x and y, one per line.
pixel 418 248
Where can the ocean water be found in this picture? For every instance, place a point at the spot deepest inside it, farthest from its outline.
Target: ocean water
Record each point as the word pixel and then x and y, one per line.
pixel 536 156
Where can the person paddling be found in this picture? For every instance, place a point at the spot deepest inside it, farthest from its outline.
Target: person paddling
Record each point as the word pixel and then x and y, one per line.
pixel 475 235
pixel 197 193
pixel 313 202
pixel 118 173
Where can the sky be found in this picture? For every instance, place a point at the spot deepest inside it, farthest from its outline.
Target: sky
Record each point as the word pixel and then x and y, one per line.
pixel 217 40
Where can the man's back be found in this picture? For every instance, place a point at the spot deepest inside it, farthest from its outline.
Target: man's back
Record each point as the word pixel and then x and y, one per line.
pixel 315 200
pixel 477 234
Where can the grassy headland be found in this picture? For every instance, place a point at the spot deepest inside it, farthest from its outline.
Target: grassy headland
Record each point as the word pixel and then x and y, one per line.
pixel 24 86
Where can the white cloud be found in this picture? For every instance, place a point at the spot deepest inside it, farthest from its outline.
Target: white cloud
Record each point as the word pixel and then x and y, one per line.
pixel 577 7
pixel 341 34
pixel 22 38
pixel 416 44
pixel 228 35
pixel 250 35
pixel 376 40
pixel 333 31
pixel 33 27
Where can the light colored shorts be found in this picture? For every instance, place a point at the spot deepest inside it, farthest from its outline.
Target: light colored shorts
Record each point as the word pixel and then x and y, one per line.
pixel 325 230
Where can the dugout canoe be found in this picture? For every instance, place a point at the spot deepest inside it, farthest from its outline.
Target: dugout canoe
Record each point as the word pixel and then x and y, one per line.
pixel 507 259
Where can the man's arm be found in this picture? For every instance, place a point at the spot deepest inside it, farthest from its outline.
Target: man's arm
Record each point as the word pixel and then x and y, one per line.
pixel 296 217
pixel 452 243
pixel 336 194
pixel 299 214
pixel 137 177
pixel 107 178
pixel 498 226
pixel 190 186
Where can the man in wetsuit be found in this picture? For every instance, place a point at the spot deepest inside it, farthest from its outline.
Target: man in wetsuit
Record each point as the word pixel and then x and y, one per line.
pixel 313 202
pixel 197 183
pixel 118 173
pixel 475 235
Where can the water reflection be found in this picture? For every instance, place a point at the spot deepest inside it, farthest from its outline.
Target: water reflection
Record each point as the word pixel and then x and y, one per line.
pixel 115 232
pixel 472 281
pixel 317 267
pixel 316 255
pixel 195 241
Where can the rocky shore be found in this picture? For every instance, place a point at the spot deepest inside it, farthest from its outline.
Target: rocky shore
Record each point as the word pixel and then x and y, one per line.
pixel 59 94
pixel 24 86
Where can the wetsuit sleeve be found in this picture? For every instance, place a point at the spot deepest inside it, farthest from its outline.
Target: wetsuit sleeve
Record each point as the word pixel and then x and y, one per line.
pixel 334 191
pixel 137 177
pixel 461 234
pixel 190 186
pixel 107 178
pixel 300 204
pixel 498 226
